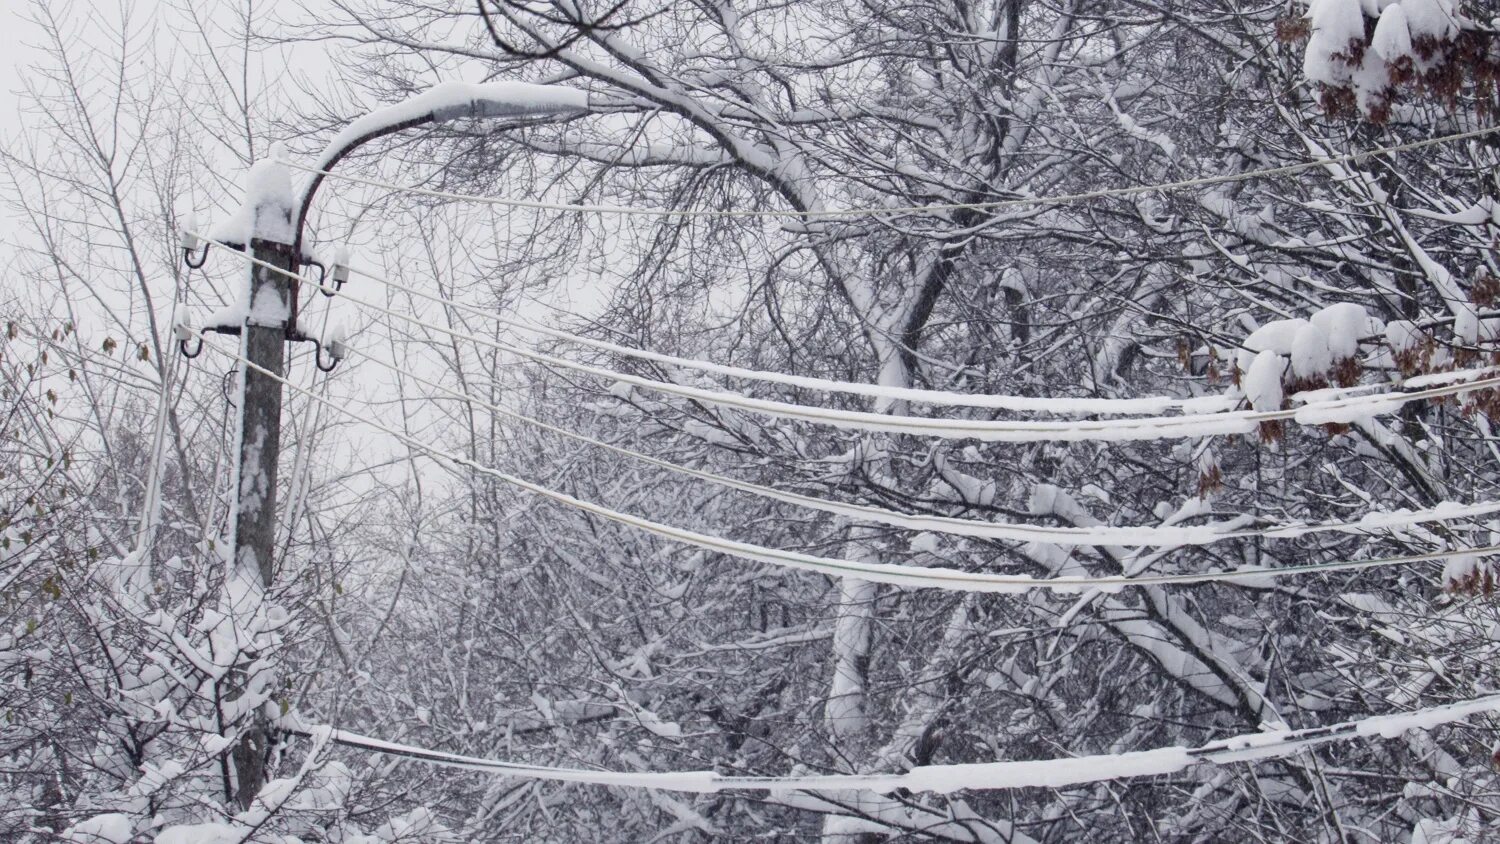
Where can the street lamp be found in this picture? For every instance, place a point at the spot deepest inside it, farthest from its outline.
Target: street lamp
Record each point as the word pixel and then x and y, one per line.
pixel 440 104
pixel 269 225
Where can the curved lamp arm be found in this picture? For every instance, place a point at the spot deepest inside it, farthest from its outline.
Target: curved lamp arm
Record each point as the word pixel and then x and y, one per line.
pixel 440 104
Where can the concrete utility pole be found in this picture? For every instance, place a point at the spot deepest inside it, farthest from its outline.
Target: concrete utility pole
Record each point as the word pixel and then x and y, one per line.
pixel 260 409
pixel 259 438
pixel 275 221
pixel 264 318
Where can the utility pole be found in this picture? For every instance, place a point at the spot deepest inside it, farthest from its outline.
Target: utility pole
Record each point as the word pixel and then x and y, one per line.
pixel 263 342
pixel 264 318
pixel 259 450
pixel 259 437
pixel 269 225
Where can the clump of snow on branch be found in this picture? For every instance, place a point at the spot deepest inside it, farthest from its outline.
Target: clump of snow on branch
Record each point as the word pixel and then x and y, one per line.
pixel 1408 41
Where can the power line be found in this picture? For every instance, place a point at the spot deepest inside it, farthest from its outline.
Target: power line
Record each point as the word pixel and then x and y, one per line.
pixel 830 213
pixel 1130 535
pixel 1042 404
pixel 894 574
pixel 1134 535
pixel 982 776
pixel 1111 430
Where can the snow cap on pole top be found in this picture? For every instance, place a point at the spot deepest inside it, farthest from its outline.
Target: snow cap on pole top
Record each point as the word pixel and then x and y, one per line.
pixel 268 208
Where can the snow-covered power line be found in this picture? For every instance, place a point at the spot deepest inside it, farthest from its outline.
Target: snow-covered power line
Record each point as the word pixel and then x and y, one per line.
pixel 838 213
pixel 1129 535
pixel 944 779
pixel 894 574
pixel 1344 410
pixel 1026 404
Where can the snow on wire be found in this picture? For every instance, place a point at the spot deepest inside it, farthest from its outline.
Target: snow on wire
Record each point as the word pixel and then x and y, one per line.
pixel 890 573
pixel 1116 535
pixel 1026 404
pixel 945 779
pixel 828 213
pixel 1030 404
pixel 1345 410
pixel 1126 535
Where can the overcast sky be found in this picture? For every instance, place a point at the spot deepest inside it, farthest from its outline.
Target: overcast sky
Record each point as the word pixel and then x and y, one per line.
pixel 17 56
pixel 13 54
pixel 15 32
pixel 11 57
pixel 313 61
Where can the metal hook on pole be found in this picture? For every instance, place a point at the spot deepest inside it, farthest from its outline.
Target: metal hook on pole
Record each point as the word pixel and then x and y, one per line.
pixel 186 334
pixel 322 275
pixel 331 280
pixel 333 356
pixel 196 350
pixel 191 243
pixel 187 257
pixel 327 352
